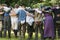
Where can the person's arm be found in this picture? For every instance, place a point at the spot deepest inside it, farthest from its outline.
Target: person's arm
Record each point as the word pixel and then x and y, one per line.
pixel 1 13
pixel 12 13
pixel 29 14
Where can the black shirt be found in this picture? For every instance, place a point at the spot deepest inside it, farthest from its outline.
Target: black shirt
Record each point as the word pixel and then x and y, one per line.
pixel 56 12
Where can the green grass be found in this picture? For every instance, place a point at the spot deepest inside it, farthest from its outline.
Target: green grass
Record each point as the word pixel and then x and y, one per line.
pixel 26 36
pixel 8 39
pixel 13 37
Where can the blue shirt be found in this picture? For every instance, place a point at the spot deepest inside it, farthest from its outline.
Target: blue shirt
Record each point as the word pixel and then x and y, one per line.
pixel 21 15
pixel 6 13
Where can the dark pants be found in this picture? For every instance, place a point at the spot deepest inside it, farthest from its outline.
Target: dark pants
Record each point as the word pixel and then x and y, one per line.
pixel 0 28
pixel 59 32
pixel 58 29
pixel 30 30
pixel 22 29
pixel 40 27
pixel 7 26
pixel 56 26
pixel 0 33
pixel 15 33
pixel 1 24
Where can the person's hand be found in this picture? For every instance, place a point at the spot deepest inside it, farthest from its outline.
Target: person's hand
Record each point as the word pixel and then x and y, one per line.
pixel 1 12
pixel 12 13
pixel 38 22
pixel 58 15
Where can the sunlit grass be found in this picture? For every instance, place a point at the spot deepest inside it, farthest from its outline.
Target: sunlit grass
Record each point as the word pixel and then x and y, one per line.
pixel 26 36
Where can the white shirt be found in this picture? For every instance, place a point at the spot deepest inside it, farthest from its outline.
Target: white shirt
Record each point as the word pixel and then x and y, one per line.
pixel 29 20
pixel 6 9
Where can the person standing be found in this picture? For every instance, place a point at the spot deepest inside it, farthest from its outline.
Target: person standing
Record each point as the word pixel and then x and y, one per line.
pixel 14 19
pixel 56 11
pixel 7 21
pixel 38 23
pixel 22 20
pixel 48 24
pixel 1 20
pixel 30 24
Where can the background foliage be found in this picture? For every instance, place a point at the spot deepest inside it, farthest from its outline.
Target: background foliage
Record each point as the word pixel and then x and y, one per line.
pixel 32 3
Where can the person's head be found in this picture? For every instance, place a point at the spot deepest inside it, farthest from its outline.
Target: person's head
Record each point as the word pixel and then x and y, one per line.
pixel 4 5
pixel 47 9
pixel 22 5
pixel 16 5
pixel 0 8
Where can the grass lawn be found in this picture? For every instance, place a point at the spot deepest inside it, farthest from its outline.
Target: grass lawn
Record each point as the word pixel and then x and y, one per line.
pixel 26 36
pixel 13 37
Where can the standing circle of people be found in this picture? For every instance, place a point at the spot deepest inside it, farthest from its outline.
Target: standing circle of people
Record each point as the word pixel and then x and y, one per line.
pixel 21 18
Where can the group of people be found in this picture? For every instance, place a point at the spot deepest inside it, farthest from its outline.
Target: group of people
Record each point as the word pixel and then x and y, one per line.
pixel 20 18
pixel 14 18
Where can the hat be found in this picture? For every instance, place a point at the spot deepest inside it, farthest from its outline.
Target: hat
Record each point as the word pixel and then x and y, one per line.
pixel 47 9
pixel 37 10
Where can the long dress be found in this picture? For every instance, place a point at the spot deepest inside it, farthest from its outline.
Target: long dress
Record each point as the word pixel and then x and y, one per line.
pixel 48 26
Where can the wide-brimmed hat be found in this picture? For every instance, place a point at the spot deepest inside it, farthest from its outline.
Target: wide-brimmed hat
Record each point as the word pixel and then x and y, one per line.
pixel 47 9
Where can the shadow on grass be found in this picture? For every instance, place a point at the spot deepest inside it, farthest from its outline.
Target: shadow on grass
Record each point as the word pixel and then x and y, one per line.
pixel 26 36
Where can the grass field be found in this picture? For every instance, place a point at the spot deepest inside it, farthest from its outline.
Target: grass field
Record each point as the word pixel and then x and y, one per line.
pixel 26 36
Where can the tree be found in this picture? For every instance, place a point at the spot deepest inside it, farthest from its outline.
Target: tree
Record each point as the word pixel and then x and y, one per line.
pixel 28 2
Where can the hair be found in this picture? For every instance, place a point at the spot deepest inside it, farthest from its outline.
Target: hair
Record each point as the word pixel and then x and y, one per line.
pixel 16 5
pixel 22 4
pixel 4 4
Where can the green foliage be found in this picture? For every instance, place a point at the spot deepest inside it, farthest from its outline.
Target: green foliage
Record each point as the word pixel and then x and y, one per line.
pixel 32 3
pixel 41 4
pixel 12 4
